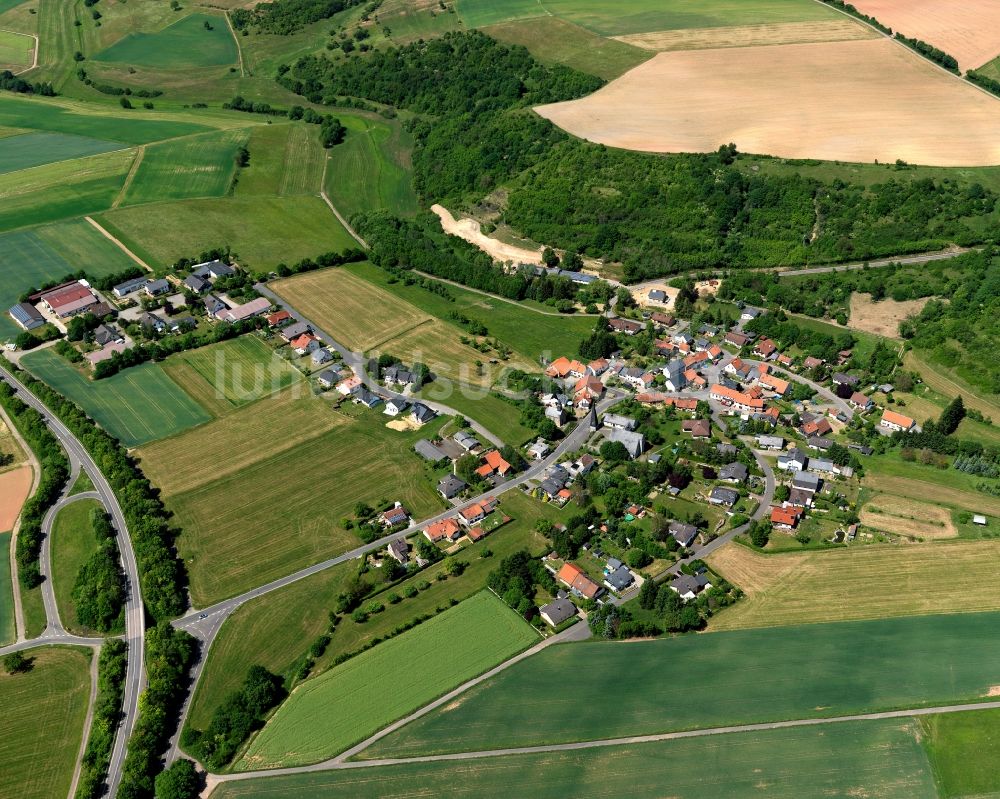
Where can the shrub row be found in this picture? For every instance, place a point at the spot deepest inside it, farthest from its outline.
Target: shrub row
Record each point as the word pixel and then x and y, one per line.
pixel 107 713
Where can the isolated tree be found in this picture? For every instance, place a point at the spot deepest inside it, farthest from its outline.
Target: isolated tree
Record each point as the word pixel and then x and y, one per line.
pixel 549 258
pixel 760 533
pixel 16 663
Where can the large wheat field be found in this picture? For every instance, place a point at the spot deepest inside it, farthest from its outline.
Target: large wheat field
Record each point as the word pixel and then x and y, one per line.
pixel 855 101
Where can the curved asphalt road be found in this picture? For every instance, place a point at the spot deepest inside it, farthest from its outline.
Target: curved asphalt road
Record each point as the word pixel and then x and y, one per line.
pixel 53 622
pixel 134 616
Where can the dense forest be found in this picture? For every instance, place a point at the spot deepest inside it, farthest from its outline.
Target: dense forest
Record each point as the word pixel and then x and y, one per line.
pixel 658 215
pixel 287 16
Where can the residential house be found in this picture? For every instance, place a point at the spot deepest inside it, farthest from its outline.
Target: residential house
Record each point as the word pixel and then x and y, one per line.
pixel 771 442
pixel 806 481
pixel 154 288
pixel 633 376
pixel 774 384
pixel 626 326
pixel 421 414
pixel 582 466
pixel 428 451
pixel 399 551
pixel 674 374
pixel 444 530
pixel 688 586
pixel 157 324
pixel 394 407
pixel 785 518
pixel 698 428
pixel 294 330
pixel 794 460
pixel 573 577
pixel 662 319
pixel 213 269
pixel 214 307
pixel 197 284
pixel 765 348
pixel 811 362
pixel 619 579
pixel 725 449
pixel 842 379
pixel 634 442
pixel 823 467
pixel 693 360
pixel 350 385
pixel 800 498
pixel 305 343
pixel 557 414
pixel 657 295
pixel 617 422
pixel 539 450
pixel 180 324
pixel 364 397
pixel 598 367
pixel 122 290
pixel 743 401
pixel 321 356
pixel 683 534
pixel 738 368
pixel 395 515
pixel 557 612
pixel 819 443
pixel 815 426
pixel 715 353
pixel 451 486
pixel 750 313
pixel 248 310
pixel 896 422
pixel 587 389
pixel 723 496
pixel 784 360
pixel 279 318
pixel 397 375
pixel 107 334
pixel 860 402
pixel 466 440
pixel 472 514
pixel 26 315
pixel 738 339
pixel 493 464
pixel 734 473
pixel 562 368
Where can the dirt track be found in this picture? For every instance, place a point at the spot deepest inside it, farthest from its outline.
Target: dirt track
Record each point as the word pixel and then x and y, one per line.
pixel 854 101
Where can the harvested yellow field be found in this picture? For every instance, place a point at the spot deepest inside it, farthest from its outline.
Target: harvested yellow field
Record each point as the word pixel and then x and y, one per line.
pixel 908 517
pixel 968 30
pixel 750 35
pixel 883 317
pixel 237 440
pixel 849 101
pixel 934 492
pixel 356 313
pixel 858 583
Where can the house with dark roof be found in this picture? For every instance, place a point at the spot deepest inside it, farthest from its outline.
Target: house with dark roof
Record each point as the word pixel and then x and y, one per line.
pixel 364 397
pixel 792 461
pixel 466 440
pixel 154 288
pixel 557 612
pixel 734 473
pixel 214 306
pixel 451 486
pixel 129 287
pixel 683 534
pixel 842 379
pixel 421 414
pixel 294 330
pixel 688 586
pixel 399 550
pixel 619 579
pixel 723 496
pixel 26 315
pixel 197 284
pixel 328 378
pixel 107 334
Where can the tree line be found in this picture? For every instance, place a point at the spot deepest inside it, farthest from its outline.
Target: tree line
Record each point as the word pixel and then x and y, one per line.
pixel 284 17
pixel 99 588
pixel 111 665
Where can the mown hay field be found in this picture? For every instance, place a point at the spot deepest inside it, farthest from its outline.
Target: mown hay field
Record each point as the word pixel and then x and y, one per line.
pixel 284 160
pixel 44 712
pixel 969 31
pixel 137 405
pixel 832 101
pixel 841 30
pixel 278 504
pixel 858 759
pixel 15 49
pixel 277 629
pixel 35 149
pixel 325 715
pixel 908 517
pixel 950 384
pixel 263 231
pixel 736 677
pixel 73 543
pixel 881 318
pixel 195 166
pixel 187 43
pixel 857 583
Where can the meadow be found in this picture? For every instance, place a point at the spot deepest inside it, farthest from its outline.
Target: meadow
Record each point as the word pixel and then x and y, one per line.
pixel 187 43
pixel 277 629
pixel 371 168
pixel 881 759
pixel 890 474
pixel 500 417
pixel 277 505
pixel 327 714
pixel 263 231
pixel 821 670
pixel 15 49
pixel 35 149
pixel 964 750
pixel 63 190
pixel 44 711
pixel 138 405
pixel 73 542
pixel 7 630
pixel 285 159
pixel 196 166
pixel 884 581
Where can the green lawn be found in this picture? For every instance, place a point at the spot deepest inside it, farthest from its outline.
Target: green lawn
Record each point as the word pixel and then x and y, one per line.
pixel 187 168
pixel 73 543
pixel 15 49
pixel 327 714
pixel 738 677
pixel 44 711
pixel 29 258
pixel 866 341
pixel 35 149
pixel 860 759
pixel 188 43
pixel 263 231
pixel 7 629
pixel 83 484
pixel 370 170
pixel 63 190
pixel 496 414
pixel 964 750
pixel 277 629
pixel 138 405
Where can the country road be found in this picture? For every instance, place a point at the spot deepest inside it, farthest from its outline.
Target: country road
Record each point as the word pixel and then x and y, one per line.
pixel 134 615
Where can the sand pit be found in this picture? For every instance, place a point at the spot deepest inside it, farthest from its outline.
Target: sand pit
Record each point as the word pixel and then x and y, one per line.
pixel 469 230
pixel 968 30
pixel 849 101
pixel 402 425
pixel 883 317
pixel 750 35
pixel 14 488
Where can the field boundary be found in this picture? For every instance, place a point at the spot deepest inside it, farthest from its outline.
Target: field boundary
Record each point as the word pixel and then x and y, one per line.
pixel 118 242
pixel 239 50
pixel 34 50
pixel 340 218
pixel 129 178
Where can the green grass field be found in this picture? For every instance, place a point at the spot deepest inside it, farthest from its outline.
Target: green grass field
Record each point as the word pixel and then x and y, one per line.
pixel 73 542
pixel 34 612
pixel 7 630
pixel 644 16
pixel 263 231
pixel 278 628
pixel 188 43
pixel 138 405
pixel 35 149
pixel 191 167
pixel 496 414
pixel 7 5
pixel 44 712
pixel 860 759
pixel 77 119
pixel 329 713
pixel 15 49
pixel 29 258
pixel 370 170
pixel 964 750
pixel 63 190
pixel 284 160
pixel 738 677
